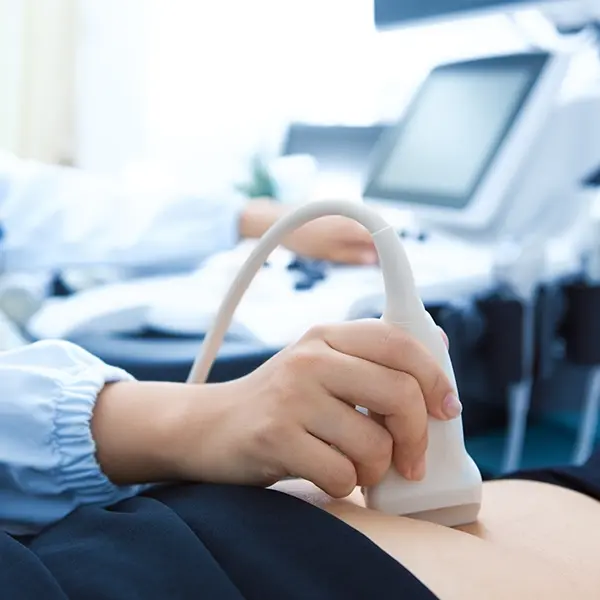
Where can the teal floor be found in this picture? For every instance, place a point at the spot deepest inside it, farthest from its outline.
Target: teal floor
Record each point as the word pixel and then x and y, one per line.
pixel 549 442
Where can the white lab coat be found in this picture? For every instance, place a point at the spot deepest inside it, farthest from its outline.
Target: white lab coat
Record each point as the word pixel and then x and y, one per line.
pixel 58 217
pixel 47 454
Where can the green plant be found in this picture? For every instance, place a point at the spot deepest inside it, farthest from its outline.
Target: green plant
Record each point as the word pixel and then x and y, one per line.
pixel 260 184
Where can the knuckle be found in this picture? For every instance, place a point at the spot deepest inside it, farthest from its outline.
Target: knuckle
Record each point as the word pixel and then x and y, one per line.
pixel 438 388
pixel 418 433
pixel 270 473
pixel 373 474
pixel 405 454
pixel 421 442
pixel 407 391
pixel 415 446
pixel 317 332
pixel 410 434
pixel 396 341
pixel 341 478
pixel 379 445
pixel 305 358
pixel 408 384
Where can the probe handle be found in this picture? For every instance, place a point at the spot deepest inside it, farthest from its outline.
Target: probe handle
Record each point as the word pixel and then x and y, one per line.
pixel 450 493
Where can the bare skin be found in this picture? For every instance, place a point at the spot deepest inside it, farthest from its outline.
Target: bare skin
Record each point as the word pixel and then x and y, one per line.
pixel 335 239
pixel 531 539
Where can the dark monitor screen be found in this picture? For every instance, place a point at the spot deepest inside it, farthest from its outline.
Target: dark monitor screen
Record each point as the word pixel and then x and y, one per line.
pixel 390 13
pixel 444 145
pixel 342 153
pixel 337 148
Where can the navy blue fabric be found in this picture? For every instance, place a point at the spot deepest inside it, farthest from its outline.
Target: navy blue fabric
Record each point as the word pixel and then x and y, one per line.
pixel 584 479
pixel 202 541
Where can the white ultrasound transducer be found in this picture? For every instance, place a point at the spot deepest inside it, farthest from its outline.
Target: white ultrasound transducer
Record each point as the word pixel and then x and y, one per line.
pixel 450 493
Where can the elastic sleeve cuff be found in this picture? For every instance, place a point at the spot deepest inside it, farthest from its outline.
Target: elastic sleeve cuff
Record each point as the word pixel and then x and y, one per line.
pixel 79 472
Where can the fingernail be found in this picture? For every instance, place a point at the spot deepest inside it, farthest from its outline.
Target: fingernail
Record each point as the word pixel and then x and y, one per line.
pixel 452 407
pixel 418 471
pixel 445 338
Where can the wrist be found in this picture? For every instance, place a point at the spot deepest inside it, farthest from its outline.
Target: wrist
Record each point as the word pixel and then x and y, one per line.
pixel 203 446
pixel 136 426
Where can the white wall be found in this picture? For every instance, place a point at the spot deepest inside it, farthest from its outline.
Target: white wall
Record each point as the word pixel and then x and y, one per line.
pixel 37 47
pixel 11 22
pixel 197 86
pixel 110 86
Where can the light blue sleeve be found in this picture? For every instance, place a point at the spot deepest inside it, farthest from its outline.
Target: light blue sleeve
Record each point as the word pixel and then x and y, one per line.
pixel 57 217
pixel 47 454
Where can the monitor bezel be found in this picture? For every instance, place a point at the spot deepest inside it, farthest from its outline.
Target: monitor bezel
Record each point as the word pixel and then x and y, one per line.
pixel 384 20
pixel 497 173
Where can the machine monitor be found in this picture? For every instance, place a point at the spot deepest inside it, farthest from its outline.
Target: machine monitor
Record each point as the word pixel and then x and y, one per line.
pixel 342 153
pixel 464 137
pixel 397 13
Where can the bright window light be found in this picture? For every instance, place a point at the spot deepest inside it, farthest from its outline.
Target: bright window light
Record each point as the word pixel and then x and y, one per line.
pixel 222 80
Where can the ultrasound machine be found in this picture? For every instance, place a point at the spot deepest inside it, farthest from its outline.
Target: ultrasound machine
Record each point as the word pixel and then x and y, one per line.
pixel 490 160
pixel 490 155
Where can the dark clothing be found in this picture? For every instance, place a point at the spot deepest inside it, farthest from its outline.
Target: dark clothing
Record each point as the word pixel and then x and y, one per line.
pixel 202 542
pixel 218 542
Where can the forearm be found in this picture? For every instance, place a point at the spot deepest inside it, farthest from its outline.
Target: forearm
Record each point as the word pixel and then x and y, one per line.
pixel 258 216
pixel 149 432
